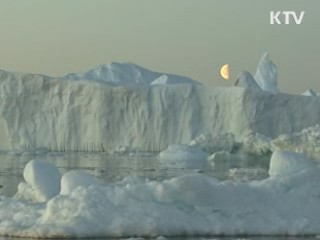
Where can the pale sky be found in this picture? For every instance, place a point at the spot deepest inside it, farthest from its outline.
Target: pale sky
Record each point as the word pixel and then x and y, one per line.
pixel 187 37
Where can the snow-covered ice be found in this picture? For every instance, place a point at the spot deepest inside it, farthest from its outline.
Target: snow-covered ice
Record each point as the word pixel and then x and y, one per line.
pixel 189 205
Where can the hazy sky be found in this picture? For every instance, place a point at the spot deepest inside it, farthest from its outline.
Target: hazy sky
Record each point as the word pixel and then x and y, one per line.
pixel 187 37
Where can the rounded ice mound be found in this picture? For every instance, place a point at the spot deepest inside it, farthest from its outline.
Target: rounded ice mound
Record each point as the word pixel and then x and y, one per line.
pixel 285 163
pixel 76 178
pixel 246 80
pixel 184 156
pixel 43 178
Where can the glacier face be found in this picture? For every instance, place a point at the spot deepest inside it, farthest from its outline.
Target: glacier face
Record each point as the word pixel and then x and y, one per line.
pixel 65 115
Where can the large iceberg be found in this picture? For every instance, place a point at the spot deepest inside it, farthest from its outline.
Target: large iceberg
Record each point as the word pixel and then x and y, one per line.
pixel 40 112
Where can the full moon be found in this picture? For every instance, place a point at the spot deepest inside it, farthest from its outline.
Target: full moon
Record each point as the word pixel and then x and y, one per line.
pixel 225 71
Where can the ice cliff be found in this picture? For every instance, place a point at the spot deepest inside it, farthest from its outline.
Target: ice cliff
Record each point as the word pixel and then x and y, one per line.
pixel 98 111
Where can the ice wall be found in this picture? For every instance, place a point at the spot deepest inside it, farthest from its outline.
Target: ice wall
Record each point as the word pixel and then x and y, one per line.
pixel 63 115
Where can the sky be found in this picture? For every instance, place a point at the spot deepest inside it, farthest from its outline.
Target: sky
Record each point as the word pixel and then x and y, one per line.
pixel 193 38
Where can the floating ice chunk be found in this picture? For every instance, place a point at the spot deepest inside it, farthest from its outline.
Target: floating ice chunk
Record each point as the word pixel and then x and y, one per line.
pixel 285 163
pixel 42 180
pixel 246 80
pixel 184 156
pixel 213 143
pixel 219 159
pixel 76 178
pixel 267 75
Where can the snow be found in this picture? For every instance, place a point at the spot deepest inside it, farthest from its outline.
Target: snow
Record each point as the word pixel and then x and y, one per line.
pixel 267 75
pixel 189 205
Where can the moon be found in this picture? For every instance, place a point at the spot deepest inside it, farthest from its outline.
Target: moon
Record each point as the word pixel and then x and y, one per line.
pixel 225 71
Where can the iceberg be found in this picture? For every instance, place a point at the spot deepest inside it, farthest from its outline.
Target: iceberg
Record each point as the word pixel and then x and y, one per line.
pixel 40 112
pixel 184 156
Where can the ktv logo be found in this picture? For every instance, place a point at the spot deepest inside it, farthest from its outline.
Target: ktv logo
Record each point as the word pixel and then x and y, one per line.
pixel 286 17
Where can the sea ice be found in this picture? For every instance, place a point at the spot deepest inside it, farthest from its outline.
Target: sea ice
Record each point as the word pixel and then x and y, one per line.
pixel 189 205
